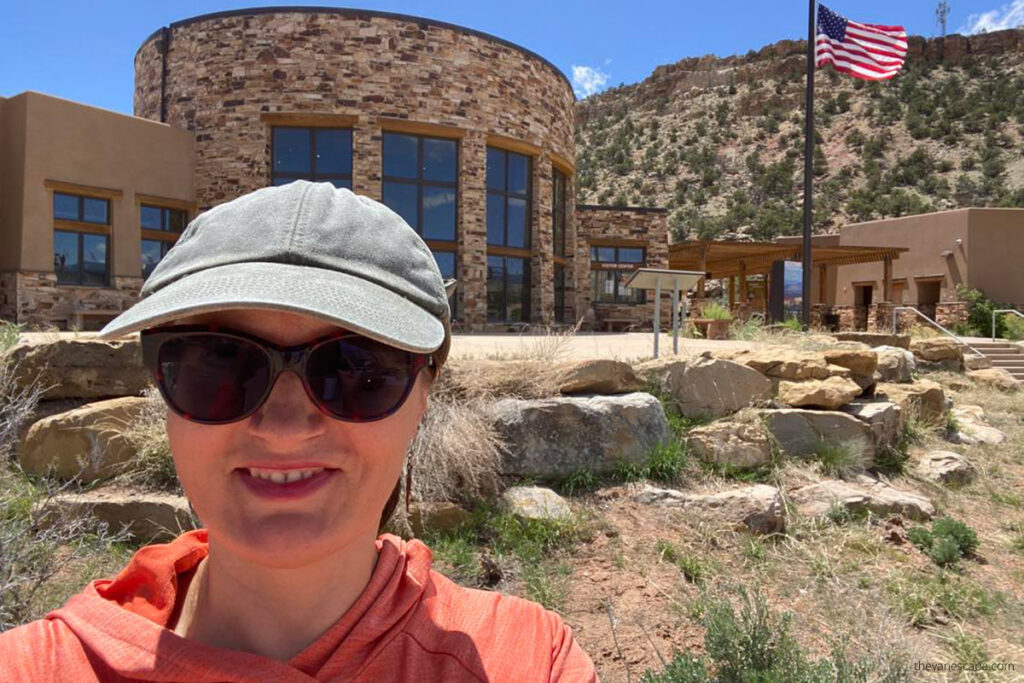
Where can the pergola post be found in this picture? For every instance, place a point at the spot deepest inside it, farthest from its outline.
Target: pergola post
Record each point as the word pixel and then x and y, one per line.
pixel 657 314
pixel 822 284
pixel 743 282
pixel 887 279
pixel 732 291
pixel 702 266
pixel 675 317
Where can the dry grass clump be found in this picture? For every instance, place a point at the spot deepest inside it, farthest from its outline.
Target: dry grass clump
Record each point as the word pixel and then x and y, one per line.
pixel 456 454
pixel 153 466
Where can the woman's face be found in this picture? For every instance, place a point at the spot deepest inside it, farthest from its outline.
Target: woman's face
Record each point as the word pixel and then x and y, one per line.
pixel 256 518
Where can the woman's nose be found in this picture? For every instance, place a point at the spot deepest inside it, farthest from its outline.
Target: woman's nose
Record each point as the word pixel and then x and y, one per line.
pixel 288 414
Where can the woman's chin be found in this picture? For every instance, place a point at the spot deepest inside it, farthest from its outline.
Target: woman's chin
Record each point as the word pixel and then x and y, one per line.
pixel 286 541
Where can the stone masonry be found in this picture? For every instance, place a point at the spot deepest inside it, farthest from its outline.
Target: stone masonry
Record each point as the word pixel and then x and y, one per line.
pixel 223 71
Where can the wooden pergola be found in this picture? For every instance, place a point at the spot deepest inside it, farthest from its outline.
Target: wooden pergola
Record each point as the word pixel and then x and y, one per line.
pixel 722 259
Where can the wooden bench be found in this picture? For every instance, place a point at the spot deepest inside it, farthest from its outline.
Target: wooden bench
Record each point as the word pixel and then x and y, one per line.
pixel 609 323
pixel 78 315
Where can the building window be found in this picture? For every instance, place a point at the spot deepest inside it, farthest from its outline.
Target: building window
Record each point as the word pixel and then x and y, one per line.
pixel 161 227
pixel 446 264
pixel 558 212
pixel 508 199
pixel 80 240
pixel 420 182
pixel 508 289
pixel 608 265
pixel 559 293
pixel 318 154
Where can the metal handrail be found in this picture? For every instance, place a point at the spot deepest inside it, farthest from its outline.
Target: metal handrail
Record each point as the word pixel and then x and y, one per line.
pixel 957 339
pixel 1002 310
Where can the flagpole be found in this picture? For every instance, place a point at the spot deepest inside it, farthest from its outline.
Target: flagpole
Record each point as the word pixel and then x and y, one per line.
pixel 808 166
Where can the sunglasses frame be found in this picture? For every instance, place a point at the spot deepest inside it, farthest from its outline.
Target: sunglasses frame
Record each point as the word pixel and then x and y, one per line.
pixel 281 358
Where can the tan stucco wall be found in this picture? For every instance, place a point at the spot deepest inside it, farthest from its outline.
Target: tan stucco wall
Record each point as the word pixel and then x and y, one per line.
pixel 926 237
pixel 74 143
pixel 12 155
pixel 997 253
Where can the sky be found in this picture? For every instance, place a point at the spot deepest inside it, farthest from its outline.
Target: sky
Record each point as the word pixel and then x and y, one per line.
pixel 84 51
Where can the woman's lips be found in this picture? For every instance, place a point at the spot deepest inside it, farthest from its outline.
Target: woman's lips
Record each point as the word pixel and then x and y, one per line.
pixel 284 484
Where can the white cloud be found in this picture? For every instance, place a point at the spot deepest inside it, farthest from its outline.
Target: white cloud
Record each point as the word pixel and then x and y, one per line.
pixel 1007 16
pixel 587 80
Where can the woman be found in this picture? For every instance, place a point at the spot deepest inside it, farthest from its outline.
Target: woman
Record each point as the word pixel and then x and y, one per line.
pixel 294 334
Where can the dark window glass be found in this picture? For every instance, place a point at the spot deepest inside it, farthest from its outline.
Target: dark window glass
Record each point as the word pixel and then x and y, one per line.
pixel 177 220
pixel 606 254
pixel 495 169
pixel 446 264
pixel 401 198
pixel 420 183
pixel 292 150
pixel 606 285
pixel 95 210
pixel 400 155
pixel 152 252
pixel 333 151
pixel 516 222
pixel 515 289
pixel 438 160
pixel 438 213
pixel 495 219
pixel 518 173
pixel 150 217
pixel 602 286
pixel 629 255
pixel 65 206
pixel 495 288
pixel 94 259
pixel 559 293
pixel 558 212
pixel 65 256
pixel 316 154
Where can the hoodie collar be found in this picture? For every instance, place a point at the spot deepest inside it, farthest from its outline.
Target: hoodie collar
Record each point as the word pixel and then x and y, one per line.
pixel 123 620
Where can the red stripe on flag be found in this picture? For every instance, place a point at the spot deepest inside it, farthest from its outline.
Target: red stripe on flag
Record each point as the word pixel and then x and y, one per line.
pixel 856 49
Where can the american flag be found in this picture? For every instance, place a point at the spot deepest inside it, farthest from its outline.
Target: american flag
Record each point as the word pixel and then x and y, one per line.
pixel 867 51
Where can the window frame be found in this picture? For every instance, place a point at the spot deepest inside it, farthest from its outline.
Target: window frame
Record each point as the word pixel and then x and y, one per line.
pixel 597 265
pixel 504 290
pixel 312 175
pixel 559 211
pixel 79 280
pixel 419 182
pixel 506 194
pixel 81 228
pixel 164 235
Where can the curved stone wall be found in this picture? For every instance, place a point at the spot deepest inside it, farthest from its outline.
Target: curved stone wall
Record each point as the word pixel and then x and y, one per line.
pixel 226 76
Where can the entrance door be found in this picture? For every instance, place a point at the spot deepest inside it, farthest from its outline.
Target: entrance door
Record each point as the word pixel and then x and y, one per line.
pixel 862 297
pixel 928 294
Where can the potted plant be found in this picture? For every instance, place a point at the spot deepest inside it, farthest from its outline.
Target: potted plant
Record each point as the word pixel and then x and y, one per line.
pixel 714 321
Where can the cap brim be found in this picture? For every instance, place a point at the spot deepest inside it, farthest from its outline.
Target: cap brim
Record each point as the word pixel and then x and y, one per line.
pixel 345 300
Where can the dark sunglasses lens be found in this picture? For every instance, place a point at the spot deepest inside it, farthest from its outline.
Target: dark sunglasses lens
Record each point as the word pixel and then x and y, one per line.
pixel 359 379
pixel 212 377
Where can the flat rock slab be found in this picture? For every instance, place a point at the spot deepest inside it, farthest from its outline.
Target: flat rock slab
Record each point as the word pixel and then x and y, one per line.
pixel 148 517
pixel 938 349
pixel 924 399
pixel 87 442
pixel 757 508
pixel 707 387
pixel 536 502
pixel 598 376
pixel 858 361
pixel 946 467
pixel 830 393
pixel 556 437
pixel 801 433
pixel 865 493
pixel 731 443
pixel 885 419
pixel 973 429
pixel 996 378
pixel 81 368
pixel 874 339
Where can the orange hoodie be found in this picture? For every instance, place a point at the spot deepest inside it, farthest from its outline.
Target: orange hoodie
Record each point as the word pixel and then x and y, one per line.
pixel 409 624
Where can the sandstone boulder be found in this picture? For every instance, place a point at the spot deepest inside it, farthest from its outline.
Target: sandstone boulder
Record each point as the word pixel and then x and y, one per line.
pixel 972 429
pixel 974 361
pixel 883 417
pixel 827 393
pixel 895 364
pixel 780 362
pixel 436 516
pixel 555 437
pixel 536 502
pixel 923 399
pixel 938 353
pixel 875 339
pixel 997 378
pixel 862 494
pixel 87 442
pixel 860 362
pixel 946 467
pixel 81 368
pixel 801 433
pixel 731 443
pixel 148 517
pixel 599 376
pixel 758 508
pixel 708 387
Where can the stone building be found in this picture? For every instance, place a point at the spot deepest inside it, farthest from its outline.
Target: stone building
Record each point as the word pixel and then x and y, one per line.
pixel 467 136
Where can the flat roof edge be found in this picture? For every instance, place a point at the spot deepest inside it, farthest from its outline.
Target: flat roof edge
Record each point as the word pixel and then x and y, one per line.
pixel 634 209
pixel 355 12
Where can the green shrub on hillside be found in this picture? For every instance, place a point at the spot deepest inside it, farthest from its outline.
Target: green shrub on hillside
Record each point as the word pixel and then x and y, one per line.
pixel 946 542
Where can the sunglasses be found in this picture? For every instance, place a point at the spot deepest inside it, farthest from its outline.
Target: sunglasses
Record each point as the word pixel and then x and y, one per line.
pixel 213 375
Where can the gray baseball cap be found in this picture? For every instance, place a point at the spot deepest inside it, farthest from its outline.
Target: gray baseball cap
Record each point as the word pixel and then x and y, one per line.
pixel 307 248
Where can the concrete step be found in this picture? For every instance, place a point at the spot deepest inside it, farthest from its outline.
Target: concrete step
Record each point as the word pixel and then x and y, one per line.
pixel 1006 356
